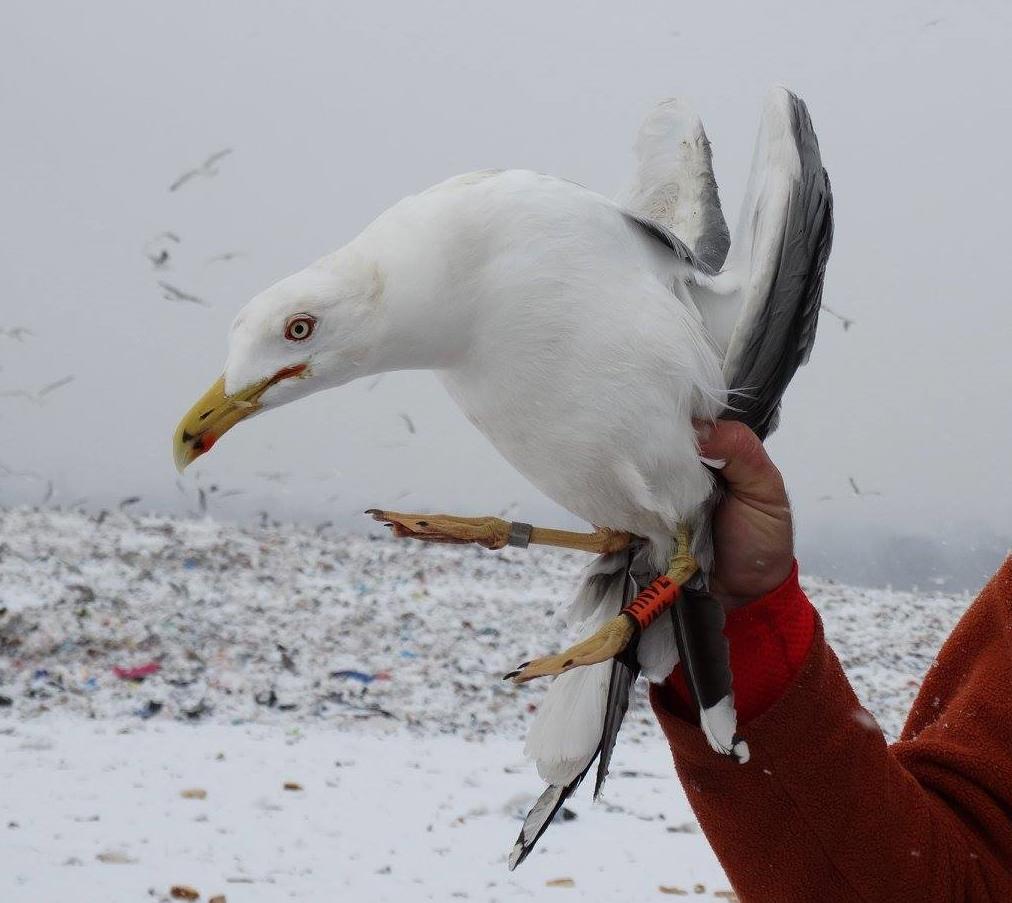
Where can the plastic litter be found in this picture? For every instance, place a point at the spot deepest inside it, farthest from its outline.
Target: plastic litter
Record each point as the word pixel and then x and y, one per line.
pixel 137 673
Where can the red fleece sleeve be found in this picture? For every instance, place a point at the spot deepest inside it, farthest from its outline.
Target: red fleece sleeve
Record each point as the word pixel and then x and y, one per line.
pixel 769 641
pixel 825 810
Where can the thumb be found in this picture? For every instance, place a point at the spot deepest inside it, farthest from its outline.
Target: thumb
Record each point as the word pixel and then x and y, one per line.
pixel 747 469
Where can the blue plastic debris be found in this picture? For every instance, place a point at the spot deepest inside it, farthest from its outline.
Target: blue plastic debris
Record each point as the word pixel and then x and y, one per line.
pixel 355 675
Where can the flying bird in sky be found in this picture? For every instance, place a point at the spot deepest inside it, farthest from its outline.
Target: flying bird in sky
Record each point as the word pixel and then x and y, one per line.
pixel 583 337
pixel 171 293
pixel 208 169
pixel 16 332
pixel 845 322
pixel 39 396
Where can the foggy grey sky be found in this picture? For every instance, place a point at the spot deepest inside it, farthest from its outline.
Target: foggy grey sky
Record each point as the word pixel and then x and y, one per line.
pixel 337 110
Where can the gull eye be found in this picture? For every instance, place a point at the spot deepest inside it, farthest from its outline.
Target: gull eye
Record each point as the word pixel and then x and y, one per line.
pixel 300 327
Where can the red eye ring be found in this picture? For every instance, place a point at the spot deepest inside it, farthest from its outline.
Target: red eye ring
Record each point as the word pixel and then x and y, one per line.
pixel 300 327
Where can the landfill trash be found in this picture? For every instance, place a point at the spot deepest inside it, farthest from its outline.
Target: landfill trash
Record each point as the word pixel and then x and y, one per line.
pixel 285 625
pixel 150 709
pixel 115 857
pixel 217 898
pixel 183 892
pixel 560 882
pixel 137 673
pixel 292 785
pixel 355 675
pixel 673 890
pixel 193 793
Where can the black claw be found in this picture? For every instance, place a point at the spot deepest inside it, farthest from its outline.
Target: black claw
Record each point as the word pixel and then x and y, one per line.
pixel 516 670
pixel 372 511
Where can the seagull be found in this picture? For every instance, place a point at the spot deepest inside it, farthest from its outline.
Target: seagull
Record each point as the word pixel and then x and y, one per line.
pixel 861 493
pixel 845 322
pixel 156 250
pixel 16 332
pixel 38 397
pixel 171 293
pixel 584 337
pixel 208 169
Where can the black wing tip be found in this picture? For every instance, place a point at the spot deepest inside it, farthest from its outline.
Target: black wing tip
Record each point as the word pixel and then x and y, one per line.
pixel 531 831
pixel 519 852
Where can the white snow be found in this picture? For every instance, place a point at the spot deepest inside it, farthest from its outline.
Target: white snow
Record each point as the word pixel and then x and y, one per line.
pixel 413 782
pixel 395 817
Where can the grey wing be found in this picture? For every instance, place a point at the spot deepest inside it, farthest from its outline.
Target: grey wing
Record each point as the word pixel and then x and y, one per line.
pixel 778 260
pixel 673 184
pixel 693 271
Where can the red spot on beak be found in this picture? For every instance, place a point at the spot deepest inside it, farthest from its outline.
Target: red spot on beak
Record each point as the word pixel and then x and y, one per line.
pixel 288 373
pixel 204 442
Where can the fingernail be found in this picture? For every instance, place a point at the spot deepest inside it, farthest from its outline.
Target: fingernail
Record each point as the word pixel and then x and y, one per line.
pixel 704 430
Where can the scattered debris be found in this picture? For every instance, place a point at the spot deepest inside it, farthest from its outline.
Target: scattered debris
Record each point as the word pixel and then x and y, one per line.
pixel 292 785
pixel 361 676
pixel 211 603
pixel 150 709
pixel 115 857
pixel 560 882
pixel 674 891
pixel 193 793
pixel 183 892
pixel 138 673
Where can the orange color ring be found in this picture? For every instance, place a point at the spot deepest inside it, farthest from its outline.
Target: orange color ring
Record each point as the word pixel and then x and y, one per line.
pixel 653 601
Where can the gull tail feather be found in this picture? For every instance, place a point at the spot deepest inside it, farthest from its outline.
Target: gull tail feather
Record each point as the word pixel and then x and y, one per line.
pixel 541 815
pixel 566 732
pixel 705 655
pixel 581 715
pixel 555 795
pixel 623 676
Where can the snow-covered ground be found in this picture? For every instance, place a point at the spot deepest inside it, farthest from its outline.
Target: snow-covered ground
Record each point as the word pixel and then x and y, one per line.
pixel 366 671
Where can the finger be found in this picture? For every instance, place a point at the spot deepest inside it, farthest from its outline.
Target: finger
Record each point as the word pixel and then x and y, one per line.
pixel 747 468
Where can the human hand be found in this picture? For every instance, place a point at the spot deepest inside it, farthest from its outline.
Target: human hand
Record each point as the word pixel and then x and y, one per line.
pixel 753 533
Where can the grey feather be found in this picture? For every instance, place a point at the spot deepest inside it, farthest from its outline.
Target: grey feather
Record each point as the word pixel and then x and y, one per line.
pixel 673 184
pixel 776 329
pixel 623 676
pixel 666 237
pixel 541 815
pixel 624 671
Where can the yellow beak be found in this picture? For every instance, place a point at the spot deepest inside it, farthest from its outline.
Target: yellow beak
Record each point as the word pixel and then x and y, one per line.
pixel 216 413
